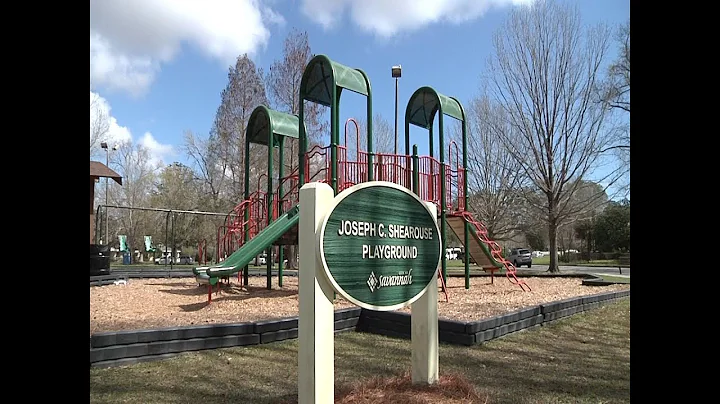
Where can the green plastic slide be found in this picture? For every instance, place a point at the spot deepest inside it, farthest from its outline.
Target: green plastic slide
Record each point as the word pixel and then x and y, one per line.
pixel 243 256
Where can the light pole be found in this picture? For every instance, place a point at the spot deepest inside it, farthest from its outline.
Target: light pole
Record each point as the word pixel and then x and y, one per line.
pixel 396 74
pixel 104 145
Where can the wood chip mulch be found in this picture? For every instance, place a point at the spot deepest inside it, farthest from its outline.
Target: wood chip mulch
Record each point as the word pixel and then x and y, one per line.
pixel 158 303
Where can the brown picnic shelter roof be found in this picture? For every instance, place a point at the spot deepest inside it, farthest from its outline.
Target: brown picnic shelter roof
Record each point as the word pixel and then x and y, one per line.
pixel 98 169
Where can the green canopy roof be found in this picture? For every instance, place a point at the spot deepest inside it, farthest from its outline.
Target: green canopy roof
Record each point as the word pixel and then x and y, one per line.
pixel 320 74
pixel 264 122
pixel 425 102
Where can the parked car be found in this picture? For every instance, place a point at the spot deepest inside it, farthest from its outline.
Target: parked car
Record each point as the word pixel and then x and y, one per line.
pixel 185 259
pixel 165 259
pixel 520 257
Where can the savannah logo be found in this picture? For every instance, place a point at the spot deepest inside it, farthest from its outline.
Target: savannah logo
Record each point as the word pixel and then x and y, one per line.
pixel 376 282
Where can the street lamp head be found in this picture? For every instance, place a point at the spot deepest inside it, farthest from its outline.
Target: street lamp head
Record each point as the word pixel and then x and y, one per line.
pixel 103 145
pixel 397 71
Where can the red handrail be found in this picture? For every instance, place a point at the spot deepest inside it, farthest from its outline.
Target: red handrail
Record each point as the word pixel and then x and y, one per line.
pixel 357 135
pixel 496 251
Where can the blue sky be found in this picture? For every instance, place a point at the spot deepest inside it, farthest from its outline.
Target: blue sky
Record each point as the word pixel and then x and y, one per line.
pixel 159 65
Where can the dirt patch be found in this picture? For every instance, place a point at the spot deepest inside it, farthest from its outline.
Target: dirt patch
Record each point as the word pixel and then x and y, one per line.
pixel 157 303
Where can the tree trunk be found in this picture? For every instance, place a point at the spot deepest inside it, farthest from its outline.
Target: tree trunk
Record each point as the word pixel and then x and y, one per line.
pixel 290 253
pixel 552 236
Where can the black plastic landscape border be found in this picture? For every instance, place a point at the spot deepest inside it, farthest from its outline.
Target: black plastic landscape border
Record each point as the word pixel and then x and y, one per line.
pixel 397 324
pixel 128 347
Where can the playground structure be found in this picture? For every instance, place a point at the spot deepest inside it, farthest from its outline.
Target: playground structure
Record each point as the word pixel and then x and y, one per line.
pixel 269 216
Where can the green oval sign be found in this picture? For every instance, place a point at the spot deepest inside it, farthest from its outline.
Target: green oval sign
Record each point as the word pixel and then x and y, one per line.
pixel 380 245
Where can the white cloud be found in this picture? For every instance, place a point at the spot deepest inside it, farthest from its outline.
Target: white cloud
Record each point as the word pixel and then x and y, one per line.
pixel 118 134
pixel 99 110
pixel 386 18
pixel 131 39
pixel 159 153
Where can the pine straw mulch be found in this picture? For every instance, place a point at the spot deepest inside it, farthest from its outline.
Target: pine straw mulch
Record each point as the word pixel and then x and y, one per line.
pixel 169 302
pixel 449 389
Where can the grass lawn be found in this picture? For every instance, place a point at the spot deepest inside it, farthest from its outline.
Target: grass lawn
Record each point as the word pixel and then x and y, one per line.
pixel 545 260
pixel 584 358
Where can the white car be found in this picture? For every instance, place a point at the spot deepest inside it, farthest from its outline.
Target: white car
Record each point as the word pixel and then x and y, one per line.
pixel 163 260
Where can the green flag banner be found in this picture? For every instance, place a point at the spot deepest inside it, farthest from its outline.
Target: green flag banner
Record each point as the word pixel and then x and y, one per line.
pixel 123 242
pixel 148 244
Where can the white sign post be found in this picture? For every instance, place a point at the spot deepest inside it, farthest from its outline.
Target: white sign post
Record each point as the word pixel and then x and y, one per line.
pixel 424 331
pixel 316 373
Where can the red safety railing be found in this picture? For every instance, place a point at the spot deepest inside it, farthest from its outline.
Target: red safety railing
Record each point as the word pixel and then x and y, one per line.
pixel 317 164
pixel 428 179
pixel 352 169
pixel 496 251
pixel 396 168
pixel 454 180
pixel 351 172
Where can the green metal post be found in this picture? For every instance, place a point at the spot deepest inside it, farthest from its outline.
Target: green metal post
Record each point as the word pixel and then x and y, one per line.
pixel 334 137
pixel 465 194
pixel 268 253
pixel 334 140
pixel 281 174
pixel 443 208
pixel 466 242
pixel 368 99
pixel 430 134
pixel 246 232
pixel 302 143
pixel 431 190
pixel 407 153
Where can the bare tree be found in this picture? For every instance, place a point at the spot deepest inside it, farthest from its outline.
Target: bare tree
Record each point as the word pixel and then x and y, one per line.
pixel 133 162
pixel 544 73
pixel 209 167
pixel 383 136
pixel 99 124
pixel 588 200
pixel 283 83
pixel 495 179
pixel 176 188
pixel 615 95
pixel 243 93
pixel 616 88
